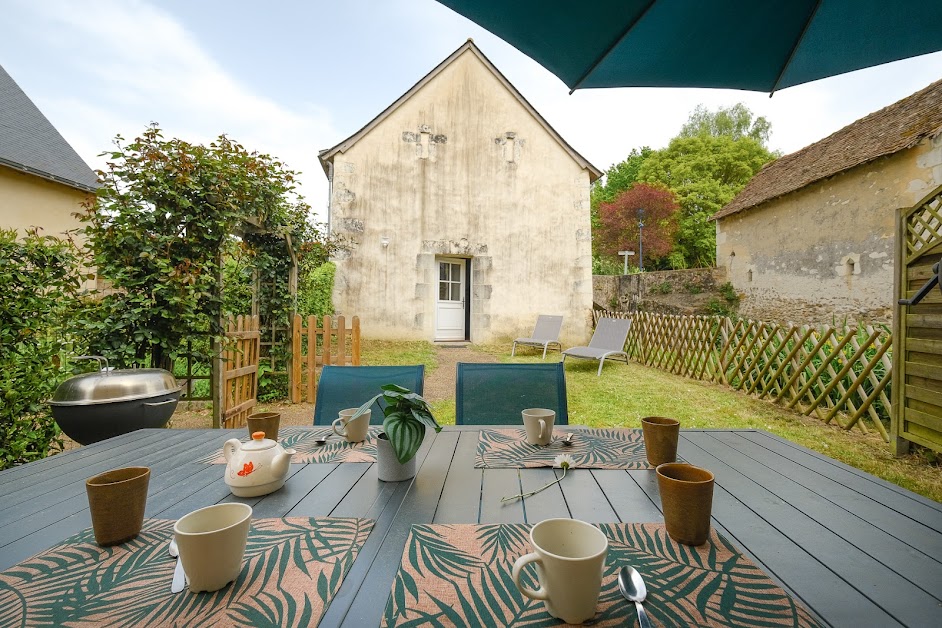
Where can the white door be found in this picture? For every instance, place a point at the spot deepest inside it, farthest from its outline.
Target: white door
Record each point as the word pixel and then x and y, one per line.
pixel 449 311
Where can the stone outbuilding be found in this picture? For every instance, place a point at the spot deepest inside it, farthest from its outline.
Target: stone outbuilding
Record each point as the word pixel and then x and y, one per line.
pixel 43 181
pixel 466 213
pixel 811 238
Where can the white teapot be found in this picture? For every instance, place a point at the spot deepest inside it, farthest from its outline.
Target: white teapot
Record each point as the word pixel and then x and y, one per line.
pixel 255 468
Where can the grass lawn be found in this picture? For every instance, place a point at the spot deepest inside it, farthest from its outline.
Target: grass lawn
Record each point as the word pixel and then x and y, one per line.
pixel 625 393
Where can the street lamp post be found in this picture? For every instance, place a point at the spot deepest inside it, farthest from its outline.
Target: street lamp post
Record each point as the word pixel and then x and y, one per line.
pixel 640 233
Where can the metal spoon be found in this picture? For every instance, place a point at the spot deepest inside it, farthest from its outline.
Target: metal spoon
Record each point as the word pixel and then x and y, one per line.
pixel 632 587
pixel 320 442
pixel 567 442
pixel 179 578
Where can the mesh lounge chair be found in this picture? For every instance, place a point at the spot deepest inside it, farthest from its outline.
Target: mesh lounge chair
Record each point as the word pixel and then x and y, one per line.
pixel 545 333
pixel 495 394
pixel 607 341
pixel 343 387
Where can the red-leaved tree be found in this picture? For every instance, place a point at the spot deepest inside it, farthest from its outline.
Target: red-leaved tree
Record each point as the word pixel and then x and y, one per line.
pixel 618 230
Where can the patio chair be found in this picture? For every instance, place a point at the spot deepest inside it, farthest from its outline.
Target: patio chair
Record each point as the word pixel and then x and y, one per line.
pixel 495 394
pixel 607 341
pixel 545 333
pixel 343 387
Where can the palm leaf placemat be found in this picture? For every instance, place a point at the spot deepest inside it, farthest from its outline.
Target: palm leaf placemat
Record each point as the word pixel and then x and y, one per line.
pixel 292 569
pixel 461 575
pixel 301 439
pixel 596 448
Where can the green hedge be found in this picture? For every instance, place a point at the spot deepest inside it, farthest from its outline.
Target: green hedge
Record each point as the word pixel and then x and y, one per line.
pixel 39 296
pixel 316 290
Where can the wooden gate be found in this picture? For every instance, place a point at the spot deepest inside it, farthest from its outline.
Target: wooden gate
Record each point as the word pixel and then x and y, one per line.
pixel 917 378
pixel 238 384
pixel 312 346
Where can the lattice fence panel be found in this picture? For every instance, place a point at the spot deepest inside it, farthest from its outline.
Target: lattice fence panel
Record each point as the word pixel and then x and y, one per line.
pixel 840 375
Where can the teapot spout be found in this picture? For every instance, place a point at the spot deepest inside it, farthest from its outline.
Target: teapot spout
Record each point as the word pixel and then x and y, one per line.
pixel 279 464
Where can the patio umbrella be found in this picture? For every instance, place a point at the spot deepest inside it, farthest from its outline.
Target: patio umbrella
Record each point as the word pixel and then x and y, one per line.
pixel 759 45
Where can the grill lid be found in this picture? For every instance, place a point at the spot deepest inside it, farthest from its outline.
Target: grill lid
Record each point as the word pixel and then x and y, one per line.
pixel 110 386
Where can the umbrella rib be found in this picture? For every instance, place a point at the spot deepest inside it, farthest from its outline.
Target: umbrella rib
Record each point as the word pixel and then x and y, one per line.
pixel 608 50
pixel 794 50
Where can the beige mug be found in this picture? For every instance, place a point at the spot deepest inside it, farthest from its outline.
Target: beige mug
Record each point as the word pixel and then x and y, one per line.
pixel 354 431
pixel 538 423
pixel 212 542
pixel 570 559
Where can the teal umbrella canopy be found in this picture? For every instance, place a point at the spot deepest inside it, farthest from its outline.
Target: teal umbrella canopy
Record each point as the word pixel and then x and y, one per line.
pixel 758 45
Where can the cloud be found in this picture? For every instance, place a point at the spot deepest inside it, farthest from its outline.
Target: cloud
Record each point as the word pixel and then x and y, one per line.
pixel 139 64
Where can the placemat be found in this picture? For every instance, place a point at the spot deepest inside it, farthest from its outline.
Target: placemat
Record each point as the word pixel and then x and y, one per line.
pixel 293 568
pixel 596 448
pixel 461 575
pixel 301 439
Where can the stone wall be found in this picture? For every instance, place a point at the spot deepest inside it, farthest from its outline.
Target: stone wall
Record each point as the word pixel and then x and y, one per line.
pixel 825 254
pixel 664 291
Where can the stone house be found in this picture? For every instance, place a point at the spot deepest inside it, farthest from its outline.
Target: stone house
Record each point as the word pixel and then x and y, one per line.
pixel 43 181
pixel 810 239
pixel 466 213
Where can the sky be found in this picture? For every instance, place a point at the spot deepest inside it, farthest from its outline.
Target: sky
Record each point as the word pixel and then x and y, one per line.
pixel 292 77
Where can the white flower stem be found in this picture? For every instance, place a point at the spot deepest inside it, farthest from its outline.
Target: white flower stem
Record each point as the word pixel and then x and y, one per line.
pixel 542 488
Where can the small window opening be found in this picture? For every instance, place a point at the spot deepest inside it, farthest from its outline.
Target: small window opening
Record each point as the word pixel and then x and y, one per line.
pixel 750 275
pixel 850 267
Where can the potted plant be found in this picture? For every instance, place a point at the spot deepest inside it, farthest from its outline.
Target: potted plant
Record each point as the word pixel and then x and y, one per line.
pixel 407 415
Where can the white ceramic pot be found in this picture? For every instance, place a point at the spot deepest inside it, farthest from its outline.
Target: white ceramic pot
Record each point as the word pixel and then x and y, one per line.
pixel 389 469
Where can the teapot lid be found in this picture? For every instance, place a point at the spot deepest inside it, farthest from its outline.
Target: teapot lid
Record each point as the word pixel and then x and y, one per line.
pixel 258 442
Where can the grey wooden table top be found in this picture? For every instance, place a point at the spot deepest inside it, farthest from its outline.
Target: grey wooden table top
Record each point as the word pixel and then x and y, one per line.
pixel 854 549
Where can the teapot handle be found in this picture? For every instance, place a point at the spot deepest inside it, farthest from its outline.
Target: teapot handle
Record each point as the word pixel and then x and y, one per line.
pixel 230 447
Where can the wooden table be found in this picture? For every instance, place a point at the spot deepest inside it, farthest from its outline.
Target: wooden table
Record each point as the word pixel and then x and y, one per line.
pixel 856 550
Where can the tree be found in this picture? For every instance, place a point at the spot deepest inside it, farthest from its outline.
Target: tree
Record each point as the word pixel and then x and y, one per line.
pixel 736 122
pixel 705 172
pixel 619 221
pixel 157 228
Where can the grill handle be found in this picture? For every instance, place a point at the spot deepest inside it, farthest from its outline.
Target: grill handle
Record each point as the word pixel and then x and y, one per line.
pixel 102 360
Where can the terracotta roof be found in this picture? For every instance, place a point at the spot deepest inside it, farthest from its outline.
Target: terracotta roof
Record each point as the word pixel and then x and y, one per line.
pixel 328 154
pixel 894 128
pixel 29 142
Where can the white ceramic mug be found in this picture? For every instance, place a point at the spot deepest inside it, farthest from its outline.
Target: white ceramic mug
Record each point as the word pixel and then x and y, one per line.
pixel 212 541
pixel 354 431
pixel 539 425
pixel 570 558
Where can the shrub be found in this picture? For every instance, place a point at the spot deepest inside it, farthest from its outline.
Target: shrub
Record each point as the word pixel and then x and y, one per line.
pixel 662 288
pixel 39 290
pixel 316 290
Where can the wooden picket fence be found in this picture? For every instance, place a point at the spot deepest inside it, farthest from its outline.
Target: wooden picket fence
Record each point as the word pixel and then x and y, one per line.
pixel 836 374
pixel 239 361
pixel 320 342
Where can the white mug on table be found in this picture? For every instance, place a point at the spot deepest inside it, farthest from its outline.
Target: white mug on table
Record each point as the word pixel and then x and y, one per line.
pixel 570 556
pixel 354 431
pixel 538 423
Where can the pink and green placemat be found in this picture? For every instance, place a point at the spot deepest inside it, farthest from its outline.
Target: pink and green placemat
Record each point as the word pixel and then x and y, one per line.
pixel 596 448
pixel 293 568
pixel 461 575
pixel 301 439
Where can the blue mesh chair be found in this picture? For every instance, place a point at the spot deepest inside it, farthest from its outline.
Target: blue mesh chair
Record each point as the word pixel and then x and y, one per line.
pixel 495 394
pixel 343 387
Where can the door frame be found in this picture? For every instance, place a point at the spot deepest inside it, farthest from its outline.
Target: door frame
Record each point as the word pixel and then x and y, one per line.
pixel 466 268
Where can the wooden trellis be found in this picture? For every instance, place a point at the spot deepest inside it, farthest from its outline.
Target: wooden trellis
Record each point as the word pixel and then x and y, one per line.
pixel 313 345
pixel 839 375
pixel 239 362
pixel 917 389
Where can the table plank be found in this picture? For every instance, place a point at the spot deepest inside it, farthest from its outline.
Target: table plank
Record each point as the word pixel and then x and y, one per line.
pixel 626 497
pixel 460 501
pixel 548 504
pixel 586 498
pixel 909 605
